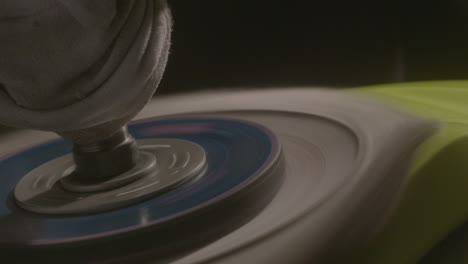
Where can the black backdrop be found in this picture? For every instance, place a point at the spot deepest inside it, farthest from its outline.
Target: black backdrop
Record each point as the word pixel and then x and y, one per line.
pixel 336 43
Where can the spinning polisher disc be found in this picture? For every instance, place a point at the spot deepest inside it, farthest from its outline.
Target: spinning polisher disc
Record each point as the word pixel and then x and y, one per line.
pixel 242 173
pixel 291 175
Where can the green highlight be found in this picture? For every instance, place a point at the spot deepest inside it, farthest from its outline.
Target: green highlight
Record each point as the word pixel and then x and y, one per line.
pixel 434 200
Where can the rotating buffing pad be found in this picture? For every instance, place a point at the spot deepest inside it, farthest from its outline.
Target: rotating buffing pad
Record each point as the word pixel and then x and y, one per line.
pixel 187 201
pixel 344 161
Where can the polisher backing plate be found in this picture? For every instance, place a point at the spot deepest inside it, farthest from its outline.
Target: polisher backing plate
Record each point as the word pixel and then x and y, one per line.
pixel 243 162
pixel 178 161
pixel 344 159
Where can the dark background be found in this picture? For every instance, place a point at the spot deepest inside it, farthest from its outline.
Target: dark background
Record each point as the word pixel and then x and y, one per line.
pixel 333 43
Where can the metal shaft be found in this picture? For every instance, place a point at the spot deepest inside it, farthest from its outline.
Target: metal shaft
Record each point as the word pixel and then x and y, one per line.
pixel 102 160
